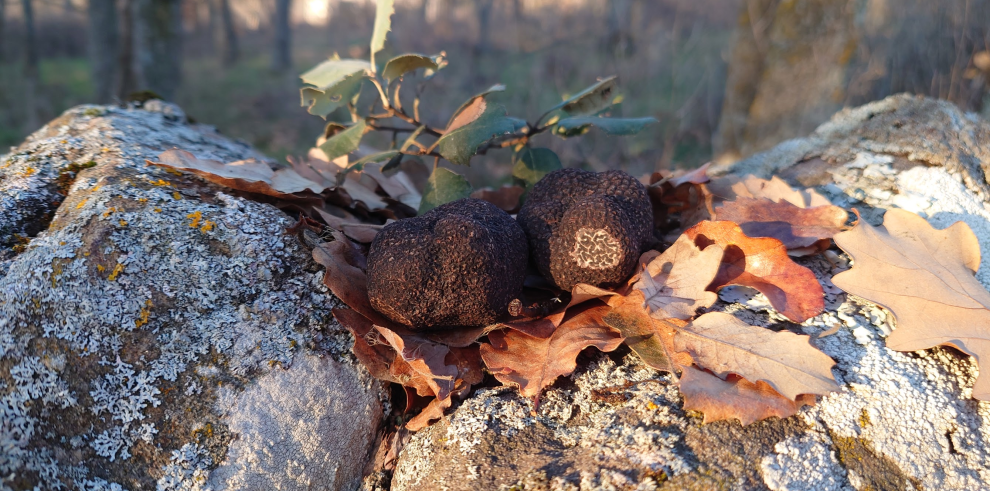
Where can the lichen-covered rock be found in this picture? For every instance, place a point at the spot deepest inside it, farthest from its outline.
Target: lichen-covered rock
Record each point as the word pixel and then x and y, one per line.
pixel 587 227
pixel 901 420
pixel 459 264
pixel 160 333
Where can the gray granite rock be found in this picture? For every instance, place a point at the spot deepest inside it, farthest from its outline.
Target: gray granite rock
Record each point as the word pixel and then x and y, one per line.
pixel 902 420
pixel 157 332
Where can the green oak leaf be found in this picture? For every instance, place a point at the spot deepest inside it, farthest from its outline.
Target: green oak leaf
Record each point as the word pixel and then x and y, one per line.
pixel 458 146
pixel 443 186
pixel 344 142
pixel 613 126
pixel 531 164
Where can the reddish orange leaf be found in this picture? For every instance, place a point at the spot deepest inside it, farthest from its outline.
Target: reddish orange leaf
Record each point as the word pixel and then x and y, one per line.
pixel 421 364
pixel 346 278
pixel 533 363
pixel 794 226
pixel 674 283
pixel 762 263
pixel 735 398
pixel 642 333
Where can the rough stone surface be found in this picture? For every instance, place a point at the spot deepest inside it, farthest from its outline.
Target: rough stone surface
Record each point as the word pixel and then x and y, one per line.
pixel 159 332
pixel 460 264
pixel 901 421
pixel 587 227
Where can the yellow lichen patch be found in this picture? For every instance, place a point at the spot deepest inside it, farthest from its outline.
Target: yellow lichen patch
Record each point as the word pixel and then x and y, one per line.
pixel 196 217
pixel 81 204
pixel 105 149
pixel 158 210
pixel 651 406
pixel 161 182
pixel 109 211
pixel 142 200
pixel 864 418
pixel 30 171
pixel 207 226
pixel 144 314
pixel 101 268
pixel 172 171
pixel 116 272
pixel 176 195
pixel 122 222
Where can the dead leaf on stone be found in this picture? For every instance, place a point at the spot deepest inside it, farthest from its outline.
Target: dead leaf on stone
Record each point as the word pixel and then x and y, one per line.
pixel 735 398
pixel 425 363
pixel 245 175
pixel 786 361
pixel 533 363
pixel 763 264
pixel 674 283
pixel 796 227
pixel 925 277
pixel 646 336
pixel 696 176
pixel 346 278
pixel 505 197
pixel 369 348
pixel 731 187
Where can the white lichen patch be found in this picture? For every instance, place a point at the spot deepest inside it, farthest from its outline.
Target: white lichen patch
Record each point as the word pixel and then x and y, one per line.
pixel 804 463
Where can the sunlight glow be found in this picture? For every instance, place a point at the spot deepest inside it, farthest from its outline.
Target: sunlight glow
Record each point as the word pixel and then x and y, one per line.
pixel 317 11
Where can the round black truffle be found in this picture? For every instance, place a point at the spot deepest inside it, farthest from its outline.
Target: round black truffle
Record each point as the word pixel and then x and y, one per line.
pixel 587 227
pixel 459 264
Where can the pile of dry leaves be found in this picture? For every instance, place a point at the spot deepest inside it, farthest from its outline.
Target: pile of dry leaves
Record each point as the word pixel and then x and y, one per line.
pixel 723 231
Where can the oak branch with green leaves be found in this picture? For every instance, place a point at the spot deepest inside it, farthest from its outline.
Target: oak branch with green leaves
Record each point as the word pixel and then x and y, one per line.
pixel 477 126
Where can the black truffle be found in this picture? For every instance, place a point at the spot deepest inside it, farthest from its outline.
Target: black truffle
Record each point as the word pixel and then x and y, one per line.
pixel 459 264
pixel 587 227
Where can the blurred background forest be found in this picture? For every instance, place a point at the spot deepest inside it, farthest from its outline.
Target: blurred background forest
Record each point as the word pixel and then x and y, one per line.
pixel 725 78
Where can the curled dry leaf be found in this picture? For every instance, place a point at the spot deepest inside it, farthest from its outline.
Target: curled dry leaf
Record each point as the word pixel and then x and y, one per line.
pixel 761 263
pixel 735 398
pixel 796 227
pixel 674 283
pixel 926 278
pixel 533 363
pixel 245 175
pixel 786 361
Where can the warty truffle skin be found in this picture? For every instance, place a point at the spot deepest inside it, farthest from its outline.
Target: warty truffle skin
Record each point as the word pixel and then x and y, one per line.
pixel 459 264
pixel 587 227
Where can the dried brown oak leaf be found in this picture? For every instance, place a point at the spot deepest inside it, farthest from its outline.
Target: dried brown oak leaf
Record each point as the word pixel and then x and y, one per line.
pixel 798 228
pixel 648 337
pixel 925 277
pixel 674 283
pixel 730 187
pixel 738 398
pixel 786 361
pixel 245 175
pixel 763 264
pixel 533 363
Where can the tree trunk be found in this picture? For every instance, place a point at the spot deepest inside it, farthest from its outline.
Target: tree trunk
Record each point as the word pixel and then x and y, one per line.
pixel 127 77
pixel 30 66
pixel 3 31
pixel 30 41
pixel 158 45
pixel 749 45
pixel 282 55
pixel 212 25
pixel 104 47
pixel 619 40
pixel 485 11
pixel 231 51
